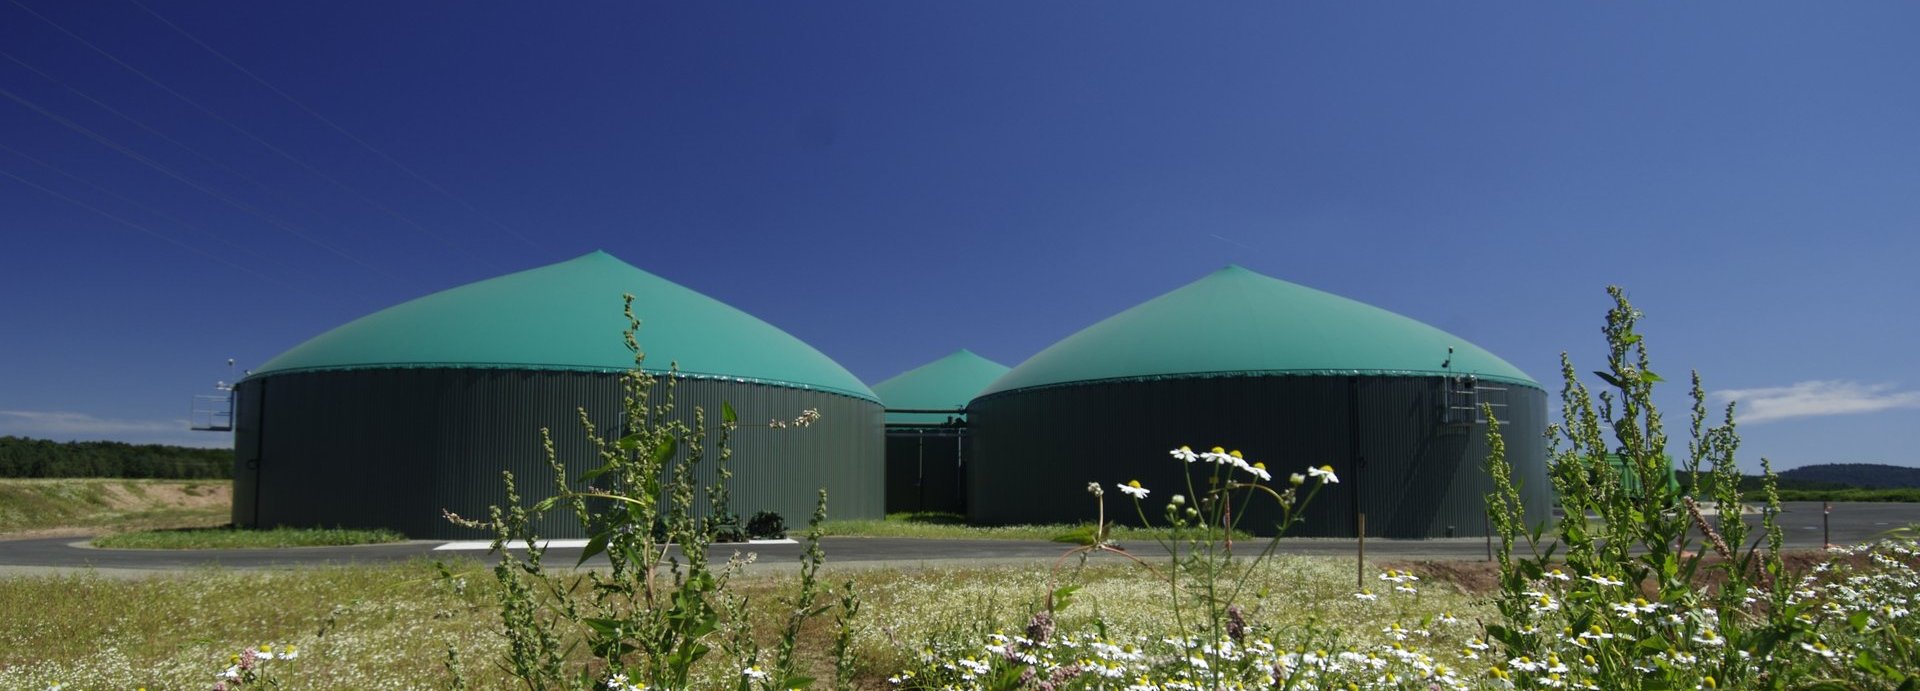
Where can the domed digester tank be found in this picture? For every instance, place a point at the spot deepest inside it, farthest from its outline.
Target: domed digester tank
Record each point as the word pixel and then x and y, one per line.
pixel 1292 377
pixel 388 419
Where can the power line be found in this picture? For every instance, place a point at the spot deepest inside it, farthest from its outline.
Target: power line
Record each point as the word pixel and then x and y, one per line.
pixel 103 140
pixel 250 135
pixel 157 234
pixel 157 212
pixel 336 127
pixel 170 139
pixel 125 199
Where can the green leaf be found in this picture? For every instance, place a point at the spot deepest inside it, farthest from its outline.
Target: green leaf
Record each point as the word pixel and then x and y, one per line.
pixel 1608 378
pixel 591 475
pixel 1859 621
pixel 629 442
pixel 1864 662
pixel 545 505
pixel 726 413
pixel 604 627
pixel 594 546
pixel 1648 377
pixel 1064 595
pixel 1532 570
pixel 1504 635
pixel 707 625
pixel 664 452
pixel 1653 643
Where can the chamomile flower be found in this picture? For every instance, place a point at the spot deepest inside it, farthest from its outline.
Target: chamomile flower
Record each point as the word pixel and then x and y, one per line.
pixel 1819 648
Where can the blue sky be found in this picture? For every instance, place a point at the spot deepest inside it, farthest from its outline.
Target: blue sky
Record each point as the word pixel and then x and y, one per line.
pixel 893 181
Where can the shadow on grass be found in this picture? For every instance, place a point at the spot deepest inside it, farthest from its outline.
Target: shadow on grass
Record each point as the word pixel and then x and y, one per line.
pixel 928 518
pixel 1073 534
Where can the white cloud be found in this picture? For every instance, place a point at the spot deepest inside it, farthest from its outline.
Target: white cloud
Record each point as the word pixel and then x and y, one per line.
pixel 69 426
pixel 1814 398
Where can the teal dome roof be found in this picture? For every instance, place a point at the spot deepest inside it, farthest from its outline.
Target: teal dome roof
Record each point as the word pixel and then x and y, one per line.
pixel 944 384
pixel 1235 322
pixel 566 316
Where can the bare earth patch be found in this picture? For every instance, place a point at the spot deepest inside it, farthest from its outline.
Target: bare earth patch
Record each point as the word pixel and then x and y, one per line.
pixel 39 508
pixel 146 497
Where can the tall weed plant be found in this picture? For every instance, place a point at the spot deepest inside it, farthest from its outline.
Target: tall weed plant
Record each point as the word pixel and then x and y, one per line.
pixel 1644 587
pixel 653 617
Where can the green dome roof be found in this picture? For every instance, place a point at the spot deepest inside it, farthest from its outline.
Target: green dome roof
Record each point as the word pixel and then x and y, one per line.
pixel 944 384
pixel 566 316
pixel 1235 322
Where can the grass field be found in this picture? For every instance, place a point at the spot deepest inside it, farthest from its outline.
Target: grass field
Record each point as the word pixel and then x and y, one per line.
pixel 227 537
pixel 96 505
pixel 392 626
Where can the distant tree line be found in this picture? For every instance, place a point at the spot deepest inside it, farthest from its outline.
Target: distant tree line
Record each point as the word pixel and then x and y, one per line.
pixel 23 457
pixel 1867 475
pixel 1831 482
pixel 1856 494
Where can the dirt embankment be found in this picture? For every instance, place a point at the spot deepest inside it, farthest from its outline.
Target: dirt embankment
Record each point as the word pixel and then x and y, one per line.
pixel 133 497
pixel 63 507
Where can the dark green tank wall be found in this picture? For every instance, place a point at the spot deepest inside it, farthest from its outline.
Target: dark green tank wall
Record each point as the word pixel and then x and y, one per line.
pixel 391 448
pixel 926 469
pixel 1411 473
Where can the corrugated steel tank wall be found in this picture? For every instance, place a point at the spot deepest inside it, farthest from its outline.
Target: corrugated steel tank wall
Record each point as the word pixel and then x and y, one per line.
pixel 391 448
pixel 1035 450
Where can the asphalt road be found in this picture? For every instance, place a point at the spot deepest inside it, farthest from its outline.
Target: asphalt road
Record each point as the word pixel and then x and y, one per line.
pixel 1851 523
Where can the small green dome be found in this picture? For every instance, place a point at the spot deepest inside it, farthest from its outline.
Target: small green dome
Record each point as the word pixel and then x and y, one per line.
pixel 944 384
pixel 1235 322
pixel 566 316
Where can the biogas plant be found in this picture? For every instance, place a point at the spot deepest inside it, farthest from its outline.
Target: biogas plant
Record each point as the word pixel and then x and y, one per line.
pixel 390 418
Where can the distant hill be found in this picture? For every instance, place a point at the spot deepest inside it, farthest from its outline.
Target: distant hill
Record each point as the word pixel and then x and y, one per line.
pixel 1868 475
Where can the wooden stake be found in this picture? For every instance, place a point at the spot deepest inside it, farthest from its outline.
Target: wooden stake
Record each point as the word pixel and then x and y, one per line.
pixel 1360 563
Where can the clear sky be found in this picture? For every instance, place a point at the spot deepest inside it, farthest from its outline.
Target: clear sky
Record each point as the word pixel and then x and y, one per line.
pixel 182 183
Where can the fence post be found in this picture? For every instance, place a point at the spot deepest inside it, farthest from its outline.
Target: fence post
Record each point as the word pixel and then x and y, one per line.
pixel 1826 525
pixel 1489 538
pixel 1360 563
